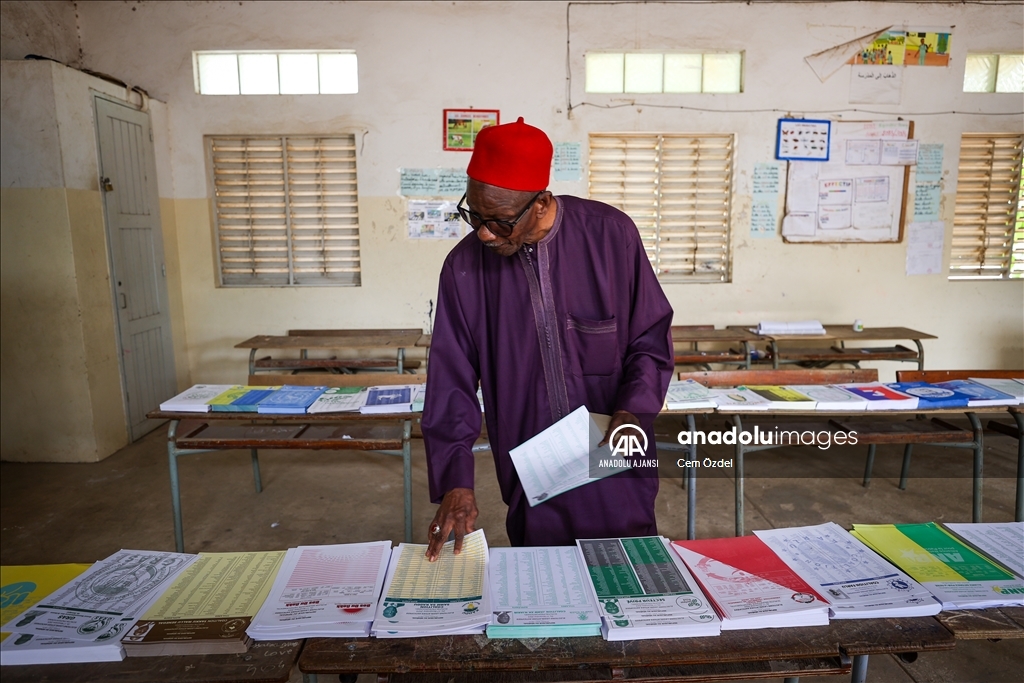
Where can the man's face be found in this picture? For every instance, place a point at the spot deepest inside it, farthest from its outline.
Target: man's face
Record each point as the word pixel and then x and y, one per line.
pixel 495 203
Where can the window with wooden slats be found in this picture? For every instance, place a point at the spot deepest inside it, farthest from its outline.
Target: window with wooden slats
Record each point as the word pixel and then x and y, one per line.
pixel 677 188
pixel 286 210
pixel 988 220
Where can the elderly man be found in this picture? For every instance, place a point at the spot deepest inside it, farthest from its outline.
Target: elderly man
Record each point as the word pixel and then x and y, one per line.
pixel 550 305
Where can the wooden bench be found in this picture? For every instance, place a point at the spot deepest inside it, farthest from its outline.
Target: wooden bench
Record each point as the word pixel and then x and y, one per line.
pixel 872 429
pixel 694 335
pixel 326 340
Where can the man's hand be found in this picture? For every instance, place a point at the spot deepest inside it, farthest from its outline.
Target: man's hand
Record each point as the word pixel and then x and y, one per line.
pixel 621 417
pixel 458 513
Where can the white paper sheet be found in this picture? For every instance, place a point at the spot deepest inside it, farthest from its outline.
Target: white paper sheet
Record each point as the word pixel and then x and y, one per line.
pixel 558 459
pixel 876 84
pixel 540 586
pixel 1003 541
pixel 102 603
pixel 924 247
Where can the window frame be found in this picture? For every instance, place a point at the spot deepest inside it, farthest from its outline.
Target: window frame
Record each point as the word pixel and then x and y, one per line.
pixel 670 200
pixel 295 214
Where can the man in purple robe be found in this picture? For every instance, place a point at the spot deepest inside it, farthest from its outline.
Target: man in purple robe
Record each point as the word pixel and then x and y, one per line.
pixel 550 305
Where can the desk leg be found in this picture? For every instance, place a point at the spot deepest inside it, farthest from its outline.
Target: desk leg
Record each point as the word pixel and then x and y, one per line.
pixel 256 470
pixel 691 484
pixel 172 465
pixel 738 474
pixel 1019 510
pixel 869 464
pixel 401 361
pixel 309 678
pixel 252 361
pixel 775 354
pixel 407 476
pixel 920 354
pixel 859 673
pixel 746 355
pixel 979 466
pixel 791 679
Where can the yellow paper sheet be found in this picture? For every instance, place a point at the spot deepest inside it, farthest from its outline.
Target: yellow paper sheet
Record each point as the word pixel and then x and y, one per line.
pixel 25 585
pixel 219 585
pixel 451 577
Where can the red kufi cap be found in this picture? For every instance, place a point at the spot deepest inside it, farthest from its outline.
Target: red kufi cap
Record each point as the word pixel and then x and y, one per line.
pixel 515 156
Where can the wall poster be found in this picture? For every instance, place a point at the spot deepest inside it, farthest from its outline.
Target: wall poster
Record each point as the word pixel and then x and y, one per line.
pixel 461 126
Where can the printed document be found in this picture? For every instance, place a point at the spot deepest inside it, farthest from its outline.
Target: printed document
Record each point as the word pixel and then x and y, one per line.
pixel 103 602
pixel 446 596
pixel 857 583
pixel 540 593
pixel 324 590
pixel 1002 541
pixel 558 459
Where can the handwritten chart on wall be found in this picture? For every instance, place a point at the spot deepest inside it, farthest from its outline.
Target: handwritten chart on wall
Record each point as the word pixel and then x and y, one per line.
pixel 857 195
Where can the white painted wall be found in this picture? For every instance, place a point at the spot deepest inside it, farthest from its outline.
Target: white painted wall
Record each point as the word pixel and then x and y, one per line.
pixel 47 29
pixel 418 58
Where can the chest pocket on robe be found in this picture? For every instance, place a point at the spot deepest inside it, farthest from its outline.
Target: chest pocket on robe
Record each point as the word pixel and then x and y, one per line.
pixel 595 345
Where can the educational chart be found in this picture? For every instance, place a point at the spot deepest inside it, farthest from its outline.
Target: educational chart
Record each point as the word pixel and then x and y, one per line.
pixel 857 194
pixel 433 219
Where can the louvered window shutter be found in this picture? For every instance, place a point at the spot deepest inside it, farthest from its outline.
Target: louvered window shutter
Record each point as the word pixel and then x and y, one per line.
pixel 988 225
pixel 677 188
pixel 286 210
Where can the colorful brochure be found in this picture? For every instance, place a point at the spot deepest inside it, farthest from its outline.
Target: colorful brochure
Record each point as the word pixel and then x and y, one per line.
pixel 195 399
pixel 881 397
pixel 980 395
pixel 339 400
pixel 644 590
pixel 243 399
pixel 289 400
pixel 955 574
pixel 828 397
pixel 856 582
pixel 540 593
pixel 750 586
pixel 784 398
pixel 930 395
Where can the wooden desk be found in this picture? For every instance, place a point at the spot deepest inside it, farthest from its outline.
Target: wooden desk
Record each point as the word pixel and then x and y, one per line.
pixel 266 662
pixel 215 431
pixel 984 624
pixel 397 341
pixel 838 352
pixel 696 335
pixel 733 654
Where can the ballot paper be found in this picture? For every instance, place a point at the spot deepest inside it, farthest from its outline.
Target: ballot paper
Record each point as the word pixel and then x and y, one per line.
pixel 953 572
pixel 207 608
pixel 104 601
pixel 749 586
pixel 643 590
pixel 324 591
pixel 856 582
pixel 445 597
pixel 559 458
pixel 1002 541
pixel 23 586
pixel 540 593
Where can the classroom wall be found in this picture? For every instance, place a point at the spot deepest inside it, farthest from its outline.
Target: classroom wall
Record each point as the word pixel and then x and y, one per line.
pixel 47 29
pixel 61 394
pixel 416 59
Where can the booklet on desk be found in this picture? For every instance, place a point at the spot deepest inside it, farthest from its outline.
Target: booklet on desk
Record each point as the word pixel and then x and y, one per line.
pixel 808 327
pixel 390 399
pixel 242 399
pixel 980 395
pixel 738 398
pixel 955 574
pixel 930 396
pixel 828 397
pixel 881 397
pixel 749 586
pixel 1001 541
pixel 196 399
pixel 687 393
pixel 783 397
pixel 289 400
pixel 1010 387
pixel 339 400
pixel 644 590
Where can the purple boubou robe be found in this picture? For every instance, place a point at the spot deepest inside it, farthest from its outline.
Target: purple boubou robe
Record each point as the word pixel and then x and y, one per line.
pixel 577 319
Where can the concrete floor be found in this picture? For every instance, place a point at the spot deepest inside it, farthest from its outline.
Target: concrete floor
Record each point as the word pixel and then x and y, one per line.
pixel 54 513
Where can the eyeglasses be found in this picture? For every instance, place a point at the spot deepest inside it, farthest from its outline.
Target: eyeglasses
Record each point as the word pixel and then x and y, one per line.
pixel 495 226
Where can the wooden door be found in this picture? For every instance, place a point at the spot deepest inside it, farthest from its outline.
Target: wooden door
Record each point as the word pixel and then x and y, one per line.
pixel 128 183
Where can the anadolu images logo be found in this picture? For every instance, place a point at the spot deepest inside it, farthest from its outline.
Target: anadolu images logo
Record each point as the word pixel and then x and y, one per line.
pixel 628 440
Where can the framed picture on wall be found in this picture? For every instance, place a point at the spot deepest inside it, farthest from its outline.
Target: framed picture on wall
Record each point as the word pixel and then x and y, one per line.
pixel 461 126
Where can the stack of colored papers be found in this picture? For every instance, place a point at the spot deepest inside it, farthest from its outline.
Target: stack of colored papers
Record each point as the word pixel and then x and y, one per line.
pixel 328 591
pixel 196 399
pixel 446 597
pixel 339 400
pixel 1001 541
pixel 955 574
pixel 855 581
pixel 684 394
pixel 289 400
pixel 749 586
pixel 540 593
pixel 980 395
pixel 739 398
pixel 643 590
pixel 881 397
